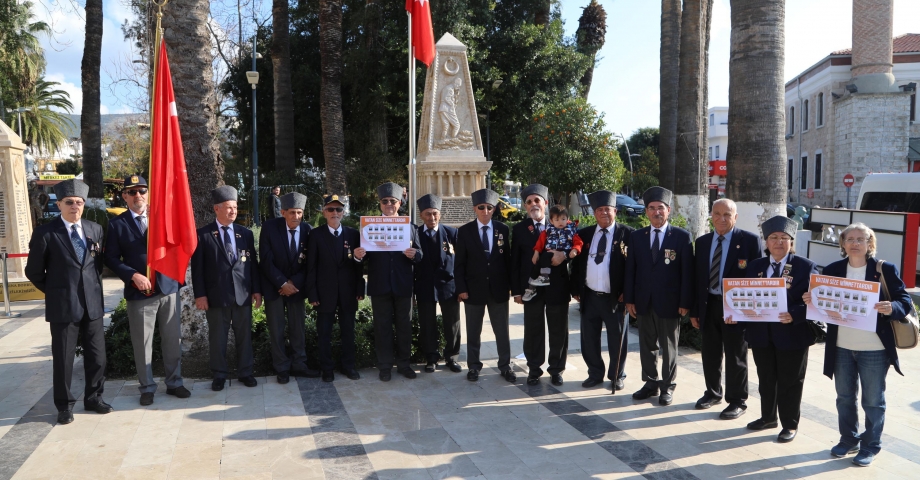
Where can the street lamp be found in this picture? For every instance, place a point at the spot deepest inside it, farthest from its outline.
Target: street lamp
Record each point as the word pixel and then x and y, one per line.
pixel 19 116
pixel 629 155
pixel 252 77
pixel 495 86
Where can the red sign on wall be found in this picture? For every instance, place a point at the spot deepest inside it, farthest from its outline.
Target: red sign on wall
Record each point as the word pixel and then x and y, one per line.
pixel 717 168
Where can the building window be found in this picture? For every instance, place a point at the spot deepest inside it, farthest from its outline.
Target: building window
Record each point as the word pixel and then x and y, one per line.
pixel 712 119
pixel 803 184
pixel 791 120
pixel 710 153
pixel 820 111
pixel 804 115
pixel 817 171
pixel 717 153
pixel 789 175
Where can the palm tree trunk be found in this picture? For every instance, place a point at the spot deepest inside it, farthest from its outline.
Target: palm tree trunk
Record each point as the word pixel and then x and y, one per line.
pixel 541 15
pixel 90 127
pixel 756 154
pixel 330 26
pixel 377 110
pixel 189 42
pixel 669 72
pixel 284 98
pixel 690 168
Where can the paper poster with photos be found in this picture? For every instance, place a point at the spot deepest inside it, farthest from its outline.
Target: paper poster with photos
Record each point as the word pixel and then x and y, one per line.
pixel 754 299
pixel 843 301
pixel 386 234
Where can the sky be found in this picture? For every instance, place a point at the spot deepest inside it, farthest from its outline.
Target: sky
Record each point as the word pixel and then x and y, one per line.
pixel 625 85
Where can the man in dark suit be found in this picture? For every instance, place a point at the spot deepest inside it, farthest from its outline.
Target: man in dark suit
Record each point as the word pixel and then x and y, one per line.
pixel 225 277
pixel 549 309
pixel 276 202
pixel 482 270
pixel 724 253
pixel 126 255
pixel 335 284
pixel 389 284
pixel 65 262
pixel 597 283
pixel 659 290
pixel 434 285
pixel 283 261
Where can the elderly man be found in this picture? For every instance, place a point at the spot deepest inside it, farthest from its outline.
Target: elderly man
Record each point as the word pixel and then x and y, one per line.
pixel 65 262
pixel 126 255
pixel 335 284
pixel 659 290
pixel 389 284
pixel 283 261
pixel 724 253
pixel 597 283
pixel 550 307
pixel 225 276
pixel 482 271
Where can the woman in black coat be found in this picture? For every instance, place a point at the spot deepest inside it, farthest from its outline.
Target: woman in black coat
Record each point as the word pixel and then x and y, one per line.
pixel 859 358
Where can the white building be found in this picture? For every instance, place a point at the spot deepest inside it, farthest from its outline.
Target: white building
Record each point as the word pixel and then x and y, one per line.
pixel 718 146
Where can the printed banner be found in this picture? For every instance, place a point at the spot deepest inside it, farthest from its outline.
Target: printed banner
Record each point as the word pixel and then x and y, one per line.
pixel 843 301
pixel 386 234
pixel 754 299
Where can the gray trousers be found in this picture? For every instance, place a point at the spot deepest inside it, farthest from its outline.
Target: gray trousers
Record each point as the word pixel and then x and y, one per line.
pixel 279 312
pixel 391 311
pixel 220 321
pixel 498 316
pixel 657 333
pixel 143 316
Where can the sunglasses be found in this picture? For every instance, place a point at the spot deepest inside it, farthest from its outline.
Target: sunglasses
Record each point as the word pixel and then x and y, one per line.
pixel 388 201
pixel 485 207
pixel 335 209
pixel 131 193
pixel 78 203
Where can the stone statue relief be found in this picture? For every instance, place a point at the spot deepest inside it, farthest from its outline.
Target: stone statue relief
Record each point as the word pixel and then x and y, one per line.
pixel 452 137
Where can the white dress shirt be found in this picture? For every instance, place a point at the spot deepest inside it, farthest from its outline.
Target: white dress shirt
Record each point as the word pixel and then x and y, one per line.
pixel 220 235
pixel 335 231
pixel 489 233
pixel 597 276
pixel 664 229
pixel 79 225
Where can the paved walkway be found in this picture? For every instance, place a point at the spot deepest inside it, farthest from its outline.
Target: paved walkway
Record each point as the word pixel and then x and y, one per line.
pixel 436 426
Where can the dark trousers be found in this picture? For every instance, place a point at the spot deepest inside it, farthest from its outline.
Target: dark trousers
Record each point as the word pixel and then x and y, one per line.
pixel 428 329
pixel 63 345
pixel 782 377
pixel 324 323
pixel 279 312
pixel 498 317
pixel 658 333
pixel 538 319
pixel 719 338
pixel 598 312
pixel 220 321
pixel 545 261
pixel 392 311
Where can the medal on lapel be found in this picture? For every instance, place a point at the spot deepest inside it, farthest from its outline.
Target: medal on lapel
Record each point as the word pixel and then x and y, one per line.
pixel 301 257
pixel 669 256
pixel 623 247
pixel 243 254
pixel 348 249
pixel 742 264
pixel 500 240
pixel 787 269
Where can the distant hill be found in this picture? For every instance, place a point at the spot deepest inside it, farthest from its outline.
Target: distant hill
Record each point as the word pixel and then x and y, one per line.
pixel 108 122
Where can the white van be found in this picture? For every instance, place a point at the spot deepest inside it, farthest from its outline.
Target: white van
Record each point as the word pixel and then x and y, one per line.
pixel 891 192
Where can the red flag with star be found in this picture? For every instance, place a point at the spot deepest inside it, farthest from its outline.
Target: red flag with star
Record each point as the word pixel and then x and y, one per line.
pixel 422 31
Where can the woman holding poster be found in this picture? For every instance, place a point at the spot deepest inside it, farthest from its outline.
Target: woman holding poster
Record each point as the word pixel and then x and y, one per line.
pixel 857 358
pixel 781 349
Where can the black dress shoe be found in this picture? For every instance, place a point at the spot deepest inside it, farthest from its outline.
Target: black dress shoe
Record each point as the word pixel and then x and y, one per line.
pixel 407 372
pixel 509 375
pixel 556 379
pixel 665 398
pixel 249 381
pixel 218 384
pixel 328 376
pixel 99 407
pixel 146 399
pixel 591 383
pixel 385 375
pixel 786 436
pixel 761 424
pixel 352 374
pixel 306 373
pixel 429 368
pixel 707 402
pixel 733 411
pixel 454 366
pixel 619 385
pixel 533 380
pixel 284 377
pixel 644 393
pixel 65 417
pixel 472 375
pixel 179 392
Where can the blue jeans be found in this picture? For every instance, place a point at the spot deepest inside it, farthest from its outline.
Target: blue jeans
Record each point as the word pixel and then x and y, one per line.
pixel 869 368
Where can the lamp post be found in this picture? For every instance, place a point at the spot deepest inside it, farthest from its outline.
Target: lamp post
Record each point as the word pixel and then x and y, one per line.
pixel 495 86
pixel 252 77
pixel 629 155
pixel 19 118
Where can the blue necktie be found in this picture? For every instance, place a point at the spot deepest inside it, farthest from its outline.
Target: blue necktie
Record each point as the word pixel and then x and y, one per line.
pixel 77 242
pixel 485 239
pixel 656 247
pixel 228 245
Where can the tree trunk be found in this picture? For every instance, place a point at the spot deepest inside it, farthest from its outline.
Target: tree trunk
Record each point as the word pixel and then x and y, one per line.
pixel 189 43
pixel 669 72
pixel 330 103
pixel 541 16
pixel 756 154
pixel 90 123
pixel 283 98
pixel 691 159
pixel 377 134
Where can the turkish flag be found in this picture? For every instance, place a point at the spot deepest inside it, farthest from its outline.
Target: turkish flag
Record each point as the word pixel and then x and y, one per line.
pixel 171 235
pixel 422 32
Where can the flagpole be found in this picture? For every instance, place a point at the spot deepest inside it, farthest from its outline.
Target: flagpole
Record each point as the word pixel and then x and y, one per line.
pixel 158 37
pixel 412 174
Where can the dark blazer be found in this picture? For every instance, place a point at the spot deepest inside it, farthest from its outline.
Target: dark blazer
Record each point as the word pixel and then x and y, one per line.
pixel 276 206
pixel 276 263
pixel 665 287
pixel 126 254
pixel 484 278
pixel 434 275
pixel 390 273
pixel 213 275
pixel 620 244
pixel 523 238
pixel 790 336
pixel 334 279
pixel 900 307
pixel 744 247
pixel 71 289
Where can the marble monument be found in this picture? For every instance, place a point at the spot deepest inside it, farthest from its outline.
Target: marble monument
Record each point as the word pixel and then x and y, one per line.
pixel 15 224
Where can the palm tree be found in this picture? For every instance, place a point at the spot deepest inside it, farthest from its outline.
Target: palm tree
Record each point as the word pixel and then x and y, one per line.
pixel 90 122
pixel 592 27
pixel 44 129
pixel 669 72
pixel 330 102
pixel 283 98
pixel 22 60
pixel 756 147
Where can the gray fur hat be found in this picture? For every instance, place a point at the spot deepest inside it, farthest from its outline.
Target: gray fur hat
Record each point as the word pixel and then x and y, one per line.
pixel 293 200
pixel 429 201
pixel 779 223
pixel 388 190
pixel 223 194
pixel 484 196
pixel 657 194
pixel 71 188
pixel 602 198
pixel 535 189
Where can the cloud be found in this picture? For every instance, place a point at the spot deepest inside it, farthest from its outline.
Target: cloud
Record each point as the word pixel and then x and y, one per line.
pixel 76 94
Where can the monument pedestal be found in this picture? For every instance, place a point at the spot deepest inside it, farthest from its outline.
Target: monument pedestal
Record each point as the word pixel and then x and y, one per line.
pixel 15 223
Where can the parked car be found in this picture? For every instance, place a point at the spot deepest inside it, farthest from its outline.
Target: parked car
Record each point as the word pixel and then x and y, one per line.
pixel 51 209
pixel 629 207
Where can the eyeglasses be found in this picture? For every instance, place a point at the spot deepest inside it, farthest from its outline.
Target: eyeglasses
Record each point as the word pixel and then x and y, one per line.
pixel 533 201
pixel 78 203
pixel 389 201
pixel 485 207
pixel 131 193
pixel 779 238
pixel 335 209
pixel 856 241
